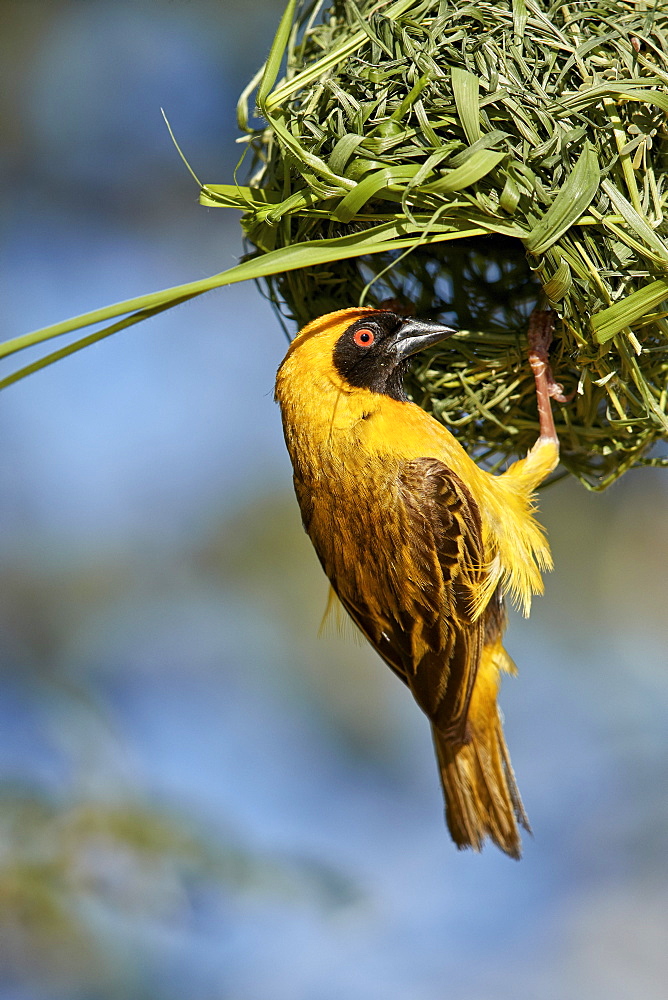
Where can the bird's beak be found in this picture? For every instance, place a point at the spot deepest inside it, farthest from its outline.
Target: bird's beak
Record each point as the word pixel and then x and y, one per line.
pixel 414 335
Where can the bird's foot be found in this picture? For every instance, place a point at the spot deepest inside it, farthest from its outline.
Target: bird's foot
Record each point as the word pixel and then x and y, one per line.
pixel 539 335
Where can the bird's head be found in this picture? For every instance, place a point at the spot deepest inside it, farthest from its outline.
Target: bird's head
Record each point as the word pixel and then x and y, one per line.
pixel 361 349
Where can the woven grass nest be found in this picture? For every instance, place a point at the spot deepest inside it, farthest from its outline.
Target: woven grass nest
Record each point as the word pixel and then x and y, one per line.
pixel 500 155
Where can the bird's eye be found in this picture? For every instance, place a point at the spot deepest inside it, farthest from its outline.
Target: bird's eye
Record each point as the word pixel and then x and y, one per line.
pixel 363 338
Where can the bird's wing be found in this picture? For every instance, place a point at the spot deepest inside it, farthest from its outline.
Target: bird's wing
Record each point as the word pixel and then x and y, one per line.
pixel 417 609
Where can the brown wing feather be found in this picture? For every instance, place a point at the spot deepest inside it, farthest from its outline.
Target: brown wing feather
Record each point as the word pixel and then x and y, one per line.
pixel 408 581
pixel 446 516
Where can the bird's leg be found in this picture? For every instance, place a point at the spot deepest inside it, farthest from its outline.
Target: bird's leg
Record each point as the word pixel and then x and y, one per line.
pixel 539 334
pixel 543 458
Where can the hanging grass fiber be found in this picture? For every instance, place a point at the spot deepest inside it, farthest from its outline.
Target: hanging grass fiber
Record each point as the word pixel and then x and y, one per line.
pixel 469 161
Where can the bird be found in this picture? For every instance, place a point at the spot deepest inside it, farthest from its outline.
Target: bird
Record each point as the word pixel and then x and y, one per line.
pixel 420 544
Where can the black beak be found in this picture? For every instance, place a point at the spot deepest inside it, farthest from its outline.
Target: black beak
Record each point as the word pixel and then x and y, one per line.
pixel 414 335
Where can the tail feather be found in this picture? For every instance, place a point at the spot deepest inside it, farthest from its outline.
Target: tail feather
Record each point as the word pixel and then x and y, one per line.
pixel 481 795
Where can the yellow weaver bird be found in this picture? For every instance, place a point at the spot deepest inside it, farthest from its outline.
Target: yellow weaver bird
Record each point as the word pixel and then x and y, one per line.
pixel 419 543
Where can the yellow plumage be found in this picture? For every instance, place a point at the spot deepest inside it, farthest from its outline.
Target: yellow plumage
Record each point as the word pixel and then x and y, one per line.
pixel 419 544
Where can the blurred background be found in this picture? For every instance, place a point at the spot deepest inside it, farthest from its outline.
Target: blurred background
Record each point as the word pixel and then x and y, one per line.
pixel 198 796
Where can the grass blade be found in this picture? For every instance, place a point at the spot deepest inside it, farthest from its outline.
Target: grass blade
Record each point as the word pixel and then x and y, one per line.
pixel 624 313
pixel 276 55
pixel 637 223
pixel 466 89
pixel 569 204
pixel 378 239
pixel 92 338
pixel 470 172
pixel 349 206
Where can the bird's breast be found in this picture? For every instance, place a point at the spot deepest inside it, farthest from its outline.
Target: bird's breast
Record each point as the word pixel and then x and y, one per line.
pixel 328 431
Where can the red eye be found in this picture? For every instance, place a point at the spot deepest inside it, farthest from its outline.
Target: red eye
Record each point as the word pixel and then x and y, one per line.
pixel 364 337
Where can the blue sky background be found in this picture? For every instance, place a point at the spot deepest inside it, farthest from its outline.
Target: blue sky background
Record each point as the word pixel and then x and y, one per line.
pixel 200 797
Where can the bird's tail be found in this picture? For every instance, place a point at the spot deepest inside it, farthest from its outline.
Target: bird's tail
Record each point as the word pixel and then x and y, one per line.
pixel 481 796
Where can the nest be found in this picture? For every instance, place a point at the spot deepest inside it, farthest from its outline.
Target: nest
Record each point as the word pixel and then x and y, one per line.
pixel 501 154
